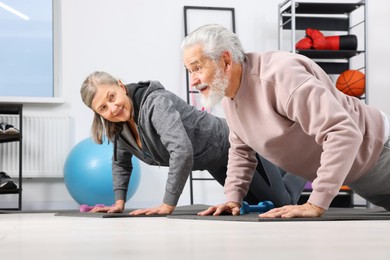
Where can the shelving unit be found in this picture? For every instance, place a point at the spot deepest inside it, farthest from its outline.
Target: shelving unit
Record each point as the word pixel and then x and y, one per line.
pixel 335 18
pixel 14 109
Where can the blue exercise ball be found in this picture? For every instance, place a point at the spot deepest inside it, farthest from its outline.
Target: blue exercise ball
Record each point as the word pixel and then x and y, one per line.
pixel 88 173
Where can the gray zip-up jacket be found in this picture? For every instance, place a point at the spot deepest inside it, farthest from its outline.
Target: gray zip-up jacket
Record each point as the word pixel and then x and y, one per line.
pixel 173 134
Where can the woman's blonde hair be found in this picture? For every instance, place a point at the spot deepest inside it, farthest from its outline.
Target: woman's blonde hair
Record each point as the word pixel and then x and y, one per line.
pixel 88 91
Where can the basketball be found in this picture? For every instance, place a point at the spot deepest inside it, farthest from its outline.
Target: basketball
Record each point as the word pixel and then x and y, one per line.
pixel 351 82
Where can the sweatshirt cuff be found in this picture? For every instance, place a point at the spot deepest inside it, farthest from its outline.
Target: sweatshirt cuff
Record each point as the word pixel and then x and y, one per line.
pixel 171 199
pixel 235 197
pixel 120 195
pixel 321 199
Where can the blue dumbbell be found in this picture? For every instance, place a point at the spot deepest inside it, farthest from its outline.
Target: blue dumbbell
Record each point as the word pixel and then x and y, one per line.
pixel 262 207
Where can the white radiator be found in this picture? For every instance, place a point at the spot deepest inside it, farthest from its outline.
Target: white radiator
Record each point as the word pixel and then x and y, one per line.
pixel 45 146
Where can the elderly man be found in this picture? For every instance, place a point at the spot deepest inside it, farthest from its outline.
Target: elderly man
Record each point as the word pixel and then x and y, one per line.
pixel 307 126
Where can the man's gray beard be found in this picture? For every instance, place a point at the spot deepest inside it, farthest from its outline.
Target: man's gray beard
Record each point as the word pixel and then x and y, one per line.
pixel 217 90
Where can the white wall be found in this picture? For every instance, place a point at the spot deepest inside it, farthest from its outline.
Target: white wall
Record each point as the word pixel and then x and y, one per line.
pixel 140 40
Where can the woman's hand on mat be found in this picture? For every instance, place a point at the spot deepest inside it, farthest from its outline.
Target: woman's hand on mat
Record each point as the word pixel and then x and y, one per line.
pixel 229 207
pixel 108 209
pixel 117 208
pixel 306 210
pixel 163 209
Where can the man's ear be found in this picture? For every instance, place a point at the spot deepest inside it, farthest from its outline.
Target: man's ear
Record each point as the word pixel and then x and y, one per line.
pixel 227 60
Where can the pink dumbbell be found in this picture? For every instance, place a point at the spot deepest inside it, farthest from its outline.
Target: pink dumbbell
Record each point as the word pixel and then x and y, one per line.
pixel 87 208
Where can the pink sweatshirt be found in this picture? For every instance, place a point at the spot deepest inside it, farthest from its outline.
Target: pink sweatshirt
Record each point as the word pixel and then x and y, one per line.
pixel 288 110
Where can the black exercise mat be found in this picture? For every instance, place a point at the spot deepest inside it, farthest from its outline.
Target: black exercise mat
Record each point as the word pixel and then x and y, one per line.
pixel 180 210
pixel 101 215
pixel 333 214
pixel 190 212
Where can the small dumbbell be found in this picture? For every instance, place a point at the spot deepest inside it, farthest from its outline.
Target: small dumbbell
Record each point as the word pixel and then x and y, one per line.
pixel 87 208
pixel 262 207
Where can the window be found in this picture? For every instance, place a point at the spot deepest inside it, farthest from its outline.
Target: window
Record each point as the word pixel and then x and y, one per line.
pixel 27 49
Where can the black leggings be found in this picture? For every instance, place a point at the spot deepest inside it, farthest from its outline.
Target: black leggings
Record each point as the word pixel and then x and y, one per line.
pixel 269 183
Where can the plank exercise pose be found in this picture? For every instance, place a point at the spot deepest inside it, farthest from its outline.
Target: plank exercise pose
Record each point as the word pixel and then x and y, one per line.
pixel 284 107
pixel 146 120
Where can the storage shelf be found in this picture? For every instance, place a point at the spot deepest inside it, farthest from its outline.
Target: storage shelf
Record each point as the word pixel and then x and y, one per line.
pixel 13 109
pixel 10 191
pixel 334 16
pixel 323 8
pixel 5 138
pixel 323 24
pixel 9 109
pixel 325 54
pixel 327 60
pixel 323 16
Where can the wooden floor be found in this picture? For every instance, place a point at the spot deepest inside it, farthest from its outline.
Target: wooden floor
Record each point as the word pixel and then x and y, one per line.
pixel 46 236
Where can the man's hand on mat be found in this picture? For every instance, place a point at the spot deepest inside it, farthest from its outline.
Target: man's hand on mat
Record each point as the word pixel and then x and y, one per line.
pixel 229 207
pixel 163 209
pixel 306 210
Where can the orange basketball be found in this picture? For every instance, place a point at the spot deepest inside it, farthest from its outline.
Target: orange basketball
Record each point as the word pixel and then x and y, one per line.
pixel 351 82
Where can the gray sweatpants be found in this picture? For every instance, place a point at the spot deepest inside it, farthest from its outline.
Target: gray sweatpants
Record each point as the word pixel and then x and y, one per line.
pixel 375 185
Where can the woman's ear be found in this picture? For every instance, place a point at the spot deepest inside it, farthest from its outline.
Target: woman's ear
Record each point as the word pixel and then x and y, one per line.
pixel 122 86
